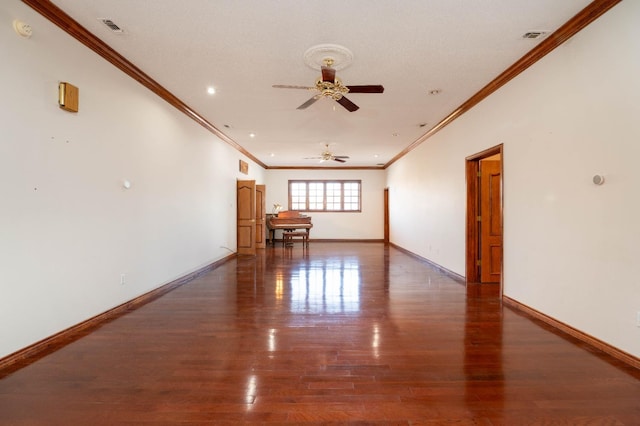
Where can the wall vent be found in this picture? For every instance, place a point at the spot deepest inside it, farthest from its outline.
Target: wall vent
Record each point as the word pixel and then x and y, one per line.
pixel 535 34
pixel 111 25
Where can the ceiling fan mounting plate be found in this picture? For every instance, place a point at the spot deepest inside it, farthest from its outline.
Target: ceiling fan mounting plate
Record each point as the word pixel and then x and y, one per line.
pixel 316 56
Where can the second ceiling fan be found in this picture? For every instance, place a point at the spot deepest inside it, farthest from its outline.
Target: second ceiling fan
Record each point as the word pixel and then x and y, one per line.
pixel 328 85
pixel 327 155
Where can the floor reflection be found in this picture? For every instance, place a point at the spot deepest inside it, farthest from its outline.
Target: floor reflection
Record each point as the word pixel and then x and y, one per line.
pixel 276 339
pixel 326 286
pixel 483 345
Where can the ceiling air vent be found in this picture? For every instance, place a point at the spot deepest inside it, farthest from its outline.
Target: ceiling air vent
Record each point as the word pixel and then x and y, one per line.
pixel 111 25
pixel 534 34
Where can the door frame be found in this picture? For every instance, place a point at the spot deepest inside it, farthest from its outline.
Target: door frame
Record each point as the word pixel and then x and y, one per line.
pixel 386 215
pixel 261 216
pixel 473 196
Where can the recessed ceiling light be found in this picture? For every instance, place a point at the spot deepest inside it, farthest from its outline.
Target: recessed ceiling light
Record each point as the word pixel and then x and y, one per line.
pixel 227 126
pixel 422 124
pixel 272 155
pixel 211 90
pixel 375 156
pixel 252 135
pixel 395 134
pixel 435 91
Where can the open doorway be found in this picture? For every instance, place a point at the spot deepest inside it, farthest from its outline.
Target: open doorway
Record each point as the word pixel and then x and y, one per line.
pixel 484 253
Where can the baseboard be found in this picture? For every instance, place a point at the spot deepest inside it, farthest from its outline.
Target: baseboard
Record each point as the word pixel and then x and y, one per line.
pixel 454 276
pixel 567 329
pixel 33 352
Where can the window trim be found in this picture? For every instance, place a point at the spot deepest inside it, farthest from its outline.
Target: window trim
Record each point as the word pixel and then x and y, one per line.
pixel 324 183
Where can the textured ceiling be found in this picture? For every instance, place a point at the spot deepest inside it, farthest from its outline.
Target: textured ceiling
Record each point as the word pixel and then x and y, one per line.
pixel 244 47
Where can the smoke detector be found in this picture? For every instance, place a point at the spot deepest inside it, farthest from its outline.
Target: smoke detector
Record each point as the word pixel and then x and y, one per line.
pixel 22 29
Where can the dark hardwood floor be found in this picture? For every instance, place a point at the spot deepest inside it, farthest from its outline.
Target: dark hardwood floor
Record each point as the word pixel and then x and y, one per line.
pixel 339 333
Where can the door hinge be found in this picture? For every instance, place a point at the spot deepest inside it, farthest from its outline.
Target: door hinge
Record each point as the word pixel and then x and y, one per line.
pixel 479 218
pixel 479 174
pixel 478 262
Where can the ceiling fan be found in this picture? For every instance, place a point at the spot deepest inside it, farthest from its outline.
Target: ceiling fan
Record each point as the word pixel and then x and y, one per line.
pixel 328 156
pixel 328 85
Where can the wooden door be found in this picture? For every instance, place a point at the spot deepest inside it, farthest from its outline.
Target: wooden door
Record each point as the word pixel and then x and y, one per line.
pixel 490 221
pixel 261 216
pixel 246 219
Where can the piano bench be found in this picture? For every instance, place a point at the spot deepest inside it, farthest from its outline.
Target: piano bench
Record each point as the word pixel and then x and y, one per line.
pixel 287 237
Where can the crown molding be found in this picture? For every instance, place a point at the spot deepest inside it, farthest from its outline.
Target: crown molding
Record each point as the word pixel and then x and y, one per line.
pixel 587 15
pixel 58 17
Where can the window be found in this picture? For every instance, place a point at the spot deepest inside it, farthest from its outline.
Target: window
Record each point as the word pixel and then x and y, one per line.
pixel 325 195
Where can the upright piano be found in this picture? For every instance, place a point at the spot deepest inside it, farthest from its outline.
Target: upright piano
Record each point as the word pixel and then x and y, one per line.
pixel 288 220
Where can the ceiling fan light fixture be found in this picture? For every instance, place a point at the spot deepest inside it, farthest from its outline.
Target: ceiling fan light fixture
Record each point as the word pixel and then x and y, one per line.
pixel 334 90
pixel 329 86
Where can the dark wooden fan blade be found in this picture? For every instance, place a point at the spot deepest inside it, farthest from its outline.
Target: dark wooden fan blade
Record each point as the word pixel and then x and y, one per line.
pixel 339 160
pixel 328 74
pixel 372 88
pixel 286 86
pixel 340 156
pixel 309 102
pixel 348 104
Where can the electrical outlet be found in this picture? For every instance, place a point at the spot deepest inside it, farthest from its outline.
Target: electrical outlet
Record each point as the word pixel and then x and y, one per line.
pixel 122 279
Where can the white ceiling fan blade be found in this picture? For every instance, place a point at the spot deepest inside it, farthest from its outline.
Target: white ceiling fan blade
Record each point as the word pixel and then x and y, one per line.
pixel 288 86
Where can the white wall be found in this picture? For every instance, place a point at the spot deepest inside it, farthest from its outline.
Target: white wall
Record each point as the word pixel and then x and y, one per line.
pixel 368 224
pixel 68 227
pixel 571 248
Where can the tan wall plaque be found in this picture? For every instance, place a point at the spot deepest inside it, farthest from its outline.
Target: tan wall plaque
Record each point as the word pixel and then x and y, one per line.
pixel 68 97
pixel 244 167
